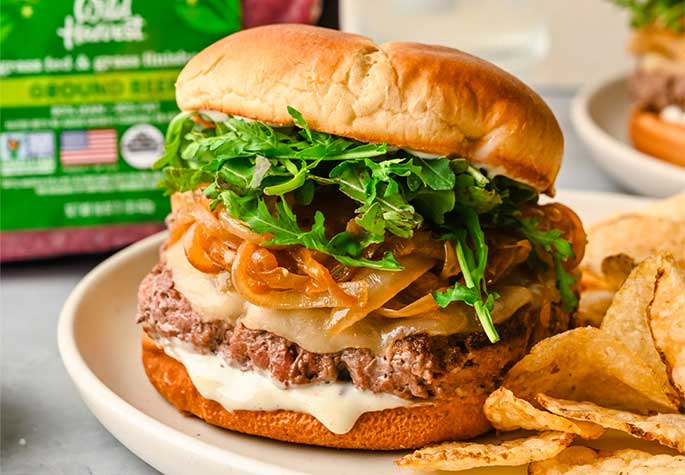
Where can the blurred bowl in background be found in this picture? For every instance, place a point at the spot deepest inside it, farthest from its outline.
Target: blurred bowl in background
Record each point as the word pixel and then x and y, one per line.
pixel 600 113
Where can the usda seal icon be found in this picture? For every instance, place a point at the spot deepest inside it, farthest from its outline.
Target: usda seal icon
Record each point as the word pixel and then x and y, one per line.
pixel 142 145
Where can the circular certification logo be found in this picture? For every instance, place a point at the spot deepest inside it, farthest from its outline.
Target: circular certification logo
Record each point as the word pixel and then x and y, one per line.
pixel 142 145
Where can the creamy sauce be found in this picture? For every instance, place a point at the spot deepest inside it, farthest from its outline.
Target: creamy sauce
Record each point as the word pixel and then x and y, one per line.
pixel 336 405
pixel 424 155
pixel 673 114
pixel 306 327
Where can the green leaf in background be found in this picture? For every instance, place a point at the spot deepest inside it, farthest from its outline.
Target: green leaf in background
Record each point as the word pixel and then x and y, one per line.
pixel 211 16
pixel 667 13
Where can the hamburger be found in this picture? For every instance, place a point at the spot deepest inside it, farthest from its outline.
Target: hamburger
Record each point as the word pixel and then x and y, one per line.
pixel 657 86
pixel 356 253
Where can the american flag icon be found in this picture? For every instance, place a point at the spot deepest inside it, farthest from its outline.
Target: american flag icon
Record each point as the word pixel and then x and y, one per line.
pixel 83 147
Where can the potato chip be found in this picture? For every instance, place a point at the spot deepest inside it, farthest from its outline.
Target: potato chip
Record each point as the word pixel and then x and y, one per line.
pixel 667 429
pixel 635 235
pixel 507 412
pixel 586 364
pixel 455 456
pixel 667 321
pixel 672 208
pixel 579 460
pixel 616 270
pixel 592 307
pixel 626 319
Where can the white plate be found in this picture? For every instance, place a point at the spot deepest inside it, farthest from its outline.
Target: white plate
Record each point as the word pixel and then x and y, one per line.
pixel 600 115
pixel 100 346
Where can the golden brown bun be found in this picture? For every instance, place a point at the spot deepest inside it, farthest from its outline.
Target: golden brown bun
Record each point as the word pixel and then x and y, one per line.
pixel 427 98
pixel 391 429
pixel 658 138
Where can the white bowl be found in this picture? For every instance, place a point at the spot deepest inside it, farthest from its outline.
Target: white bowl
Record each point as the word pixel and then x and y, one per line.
pixel 100 346
pixel 600 114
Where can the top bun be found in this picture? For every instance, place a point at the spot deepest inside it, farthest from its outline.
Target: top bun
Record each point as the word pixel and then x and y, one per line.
pixel 427 98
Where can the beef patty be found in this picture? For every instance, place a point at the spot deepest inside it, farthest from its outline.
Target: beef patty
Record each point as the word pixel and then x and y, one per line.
pixel 418 366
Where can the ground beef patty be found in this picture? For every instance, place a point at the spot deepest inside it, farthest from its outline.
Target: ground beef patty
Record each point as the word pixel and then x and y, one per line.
pixel 654 90
pixel 418 366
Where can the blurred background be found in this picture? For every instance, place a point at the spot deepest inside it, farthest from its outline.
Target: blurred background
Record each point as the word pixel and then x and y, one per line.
pixel 82 119
pixel 553 45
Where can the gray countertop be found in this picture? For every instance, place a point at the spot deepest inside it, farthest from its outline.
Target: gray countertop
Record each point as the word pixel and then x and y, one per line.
pixel 46 429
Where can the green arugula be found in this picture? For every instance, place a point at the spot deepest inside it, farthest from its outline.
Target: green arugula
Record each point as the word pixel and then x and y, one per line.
pixel 561 250
pixel 667 13
pixel 282 225
pixel 472 267
pixel 240 163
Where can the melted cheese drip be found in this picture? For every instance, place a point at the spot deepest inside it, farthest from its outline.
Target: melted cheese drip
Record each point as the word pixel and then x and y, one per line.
pixel 336 405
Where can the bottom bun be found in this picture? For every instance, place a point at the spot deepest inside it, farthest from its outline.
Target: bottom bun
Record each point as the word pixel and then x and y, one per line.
pixel 391 429
pixel 658 138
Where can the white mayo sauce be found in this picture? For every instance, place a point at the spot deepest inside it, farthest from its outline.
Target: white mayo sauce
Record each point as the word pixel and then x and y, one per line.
pixel 336 405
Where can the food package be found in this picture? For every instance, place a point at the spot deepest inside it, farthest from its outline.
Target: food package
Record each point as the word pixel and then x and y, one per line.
pixel 86 91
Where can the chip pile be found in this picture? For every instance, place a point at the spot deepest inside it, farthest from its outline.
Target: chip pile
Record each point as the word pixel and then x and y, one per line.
pixel 626 373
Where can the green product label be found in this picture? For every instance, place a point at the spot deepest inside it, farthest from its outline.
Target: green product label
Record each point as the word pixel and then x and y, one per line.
pixel 86 93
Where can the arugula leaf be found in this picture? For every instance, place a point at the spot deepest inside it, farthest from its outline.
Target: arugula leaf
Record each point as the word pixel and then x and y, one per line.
pixel 551 241
pixel 472 266
pixel 565 283
pixel 356 181
pixel 178 127
pixel 283 226
pixel 561 250
pixel 435 173
pixel 239 162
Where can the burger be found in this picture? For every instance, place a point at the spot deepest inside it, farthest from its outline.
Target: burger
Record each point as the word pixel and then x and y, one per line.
pixel 356 253
pixel 657 123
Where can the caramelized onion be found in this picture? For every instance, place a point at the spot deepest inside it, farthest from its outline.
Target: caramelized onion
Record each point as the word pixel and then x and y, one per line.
pixel 239 229
pixel 382 286
pixel 505 256
pixel 558 216
pixel 259 294
pixel 451 266
pixel 423 305
pixel 194 243
pixel 178 225
pixel 320 277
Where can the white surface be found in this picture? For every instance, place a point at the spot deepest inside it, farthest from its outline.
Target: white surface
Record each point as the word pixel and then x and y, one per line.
pixel 600 114
pixel 100 347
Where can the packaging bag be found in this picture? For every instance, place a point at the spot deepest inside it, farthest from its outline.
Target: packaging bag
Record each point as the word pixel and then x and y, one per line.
pixel 86 91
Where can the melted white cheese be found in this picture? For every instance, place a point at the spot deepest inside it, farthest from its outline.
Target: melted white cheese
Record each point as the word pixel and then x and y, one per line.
pixel 200 289
pixel 673 114
pixel 336 405
pixel 306 327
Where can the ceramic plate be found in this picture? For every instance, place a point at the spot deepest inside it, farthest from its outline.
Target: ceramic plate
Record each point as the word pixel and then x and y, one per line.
pixel 100 345
pixel 600 115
